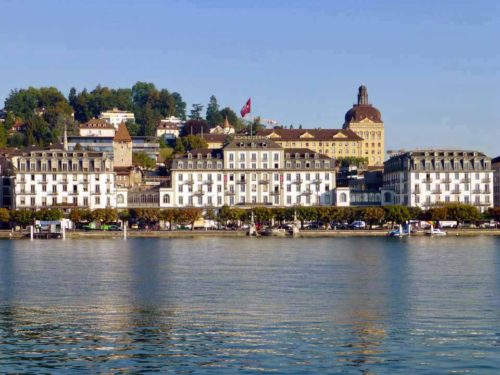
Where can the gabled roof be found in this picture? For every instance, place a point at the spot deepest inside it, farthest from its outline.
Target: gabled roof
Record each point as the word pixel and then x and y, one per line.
pixel 122 134
pixel 287 135
pixel 301 153
pixel 255 142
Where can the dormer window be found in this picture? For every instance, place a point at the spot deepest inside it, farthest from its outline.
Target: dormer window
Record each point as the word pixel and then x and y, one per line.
pixel 199 156
pixel 307 155
pixel 297 156
pixel 190 156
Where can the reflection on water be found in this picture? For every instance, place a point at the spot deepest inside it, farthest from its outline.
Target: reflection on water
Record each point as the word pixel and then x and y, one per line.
pixel 362 306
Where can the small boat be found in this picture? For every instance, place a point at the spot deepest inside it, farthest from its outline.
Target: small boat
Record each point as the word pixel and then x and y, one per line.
pixel 274 232
pixel 435 232
pixel 399 232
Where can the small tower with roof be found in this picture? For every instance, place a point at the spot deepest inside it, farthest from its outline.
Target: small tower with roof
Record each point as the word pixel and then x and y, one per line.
pixel 122 147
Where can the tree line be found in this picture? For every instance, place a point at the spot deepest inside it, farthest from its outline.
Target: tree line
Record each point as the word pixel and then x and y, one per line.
pixel 261 215
pixel 41 114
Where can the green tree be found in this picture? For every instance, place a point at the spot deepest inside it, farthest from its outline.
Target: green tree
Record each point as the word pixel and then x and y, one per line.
pixel 80 215
pixel 372 215
pixel 213 115
pixel 190 215
pixel 195 113
pixel 142 159
pixel 194 142
pixel 180 106
pixel 48 214
pixel 22 217
pixel 133 128
pixel 169 215
pixel 397 214
pixel 306 214
pixel 166 153
pixel 262 215
pixel 4 215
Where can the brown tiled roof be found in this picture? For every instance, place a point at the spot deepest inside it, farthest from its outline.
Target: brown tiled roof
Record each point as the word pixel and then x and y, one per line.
pixel 96 123
pixel 122 134
pixel 214 137
pixel 302 152
pixel 301 135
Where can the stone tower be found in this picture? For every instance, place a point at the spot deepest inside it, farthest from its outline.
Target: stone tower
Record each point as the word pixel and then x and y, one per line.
pixel 122 147
pixel 366 121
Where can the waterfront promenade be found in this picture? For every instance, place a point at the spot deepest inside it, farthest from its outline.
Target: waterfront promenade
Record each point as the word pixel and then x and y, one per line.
pixel 240 233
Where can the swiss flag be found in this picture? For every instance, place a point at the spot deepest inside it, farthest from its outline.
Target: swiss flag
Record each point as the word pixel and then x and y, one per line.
pixel 246 108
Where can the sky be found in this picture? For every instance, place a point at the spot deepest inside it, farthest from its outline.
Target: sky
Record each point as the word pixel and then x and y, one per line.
pixel 431 67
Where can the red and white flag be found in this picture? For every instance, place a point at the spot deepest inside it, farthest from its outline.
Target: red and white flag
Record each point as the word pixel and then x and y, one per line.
pixel 247 108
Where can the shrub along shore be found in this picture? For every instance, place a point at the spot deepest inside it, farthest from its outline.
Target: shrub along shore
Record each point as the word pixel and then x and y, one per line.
pixel 323 217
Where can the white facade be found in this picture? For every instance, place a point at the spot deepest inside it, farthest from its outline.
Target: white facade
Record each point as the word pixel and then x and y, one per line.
pixel 97 128
pixel 432 177
pixel 249 172
pixel 115 117
pixel 167 130
pixel 496 181
pixel 61 179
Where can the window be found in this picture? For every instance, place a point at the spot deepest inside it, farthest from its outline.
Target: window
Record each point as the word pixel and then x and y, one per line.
pixel 343 198
pixel 166 199
pixel 120 198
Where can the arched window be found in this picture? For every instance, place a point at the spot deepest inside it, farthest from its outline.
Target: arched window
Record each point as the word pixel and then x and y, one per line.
pixel 120 198
pixel 387 197
pixel 166 199
pixel 343 197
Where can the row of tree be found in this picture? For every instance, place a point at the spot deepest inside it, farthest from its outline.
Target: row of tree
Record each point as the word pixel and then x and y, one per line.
pixel 261 215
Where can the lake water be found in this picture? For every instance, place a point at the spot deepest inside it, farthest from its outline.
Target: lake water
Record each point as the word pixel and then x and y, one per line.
pixel 224 306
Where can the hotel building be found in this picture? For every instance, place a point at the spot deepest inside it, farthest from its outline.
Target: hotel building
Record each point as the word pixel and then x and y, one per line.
pixel 56 178
pixel 426 178
pixel 250 171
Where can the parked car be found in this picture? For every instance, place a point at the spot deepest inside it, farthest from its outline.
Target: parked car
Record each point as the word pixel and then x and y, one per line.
pixel 339 225
pixel 358 224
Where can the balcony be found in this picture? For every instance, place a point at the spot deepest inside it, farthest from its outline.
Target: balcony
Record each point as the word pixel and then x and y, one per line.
pixel 241 182
pixel 446 180
pixel 465 180
pixel 317 181
pixel 230 192
pixel 189 182
pixel 298 181
pixel 455 191
pixel 275 192
pixel 486 180
pixel 263 182
pixel 307 192
pixel 208 182
pixel 198 193
pixel 426 180
pixel 438 191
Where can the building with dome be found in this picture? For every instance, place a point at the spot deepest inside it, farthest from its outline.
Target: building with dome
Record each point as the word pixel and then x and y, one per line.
pixel 366 121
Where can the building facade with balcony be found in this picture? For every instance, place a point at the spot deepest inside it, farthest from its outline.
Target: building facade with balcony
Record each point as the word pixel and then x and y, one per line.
pixel 250 171
pixel 56 178
pixel 426 178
